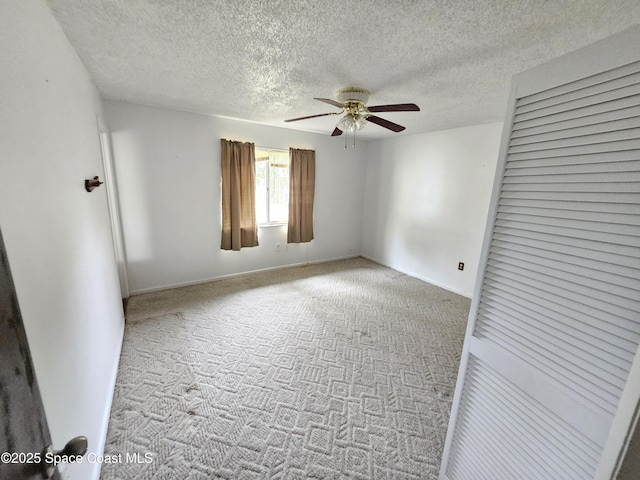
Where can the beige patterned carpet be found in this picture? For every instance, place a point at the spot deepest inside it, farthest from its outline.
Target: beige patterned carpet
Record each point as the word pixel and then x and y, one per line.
pixel 338 370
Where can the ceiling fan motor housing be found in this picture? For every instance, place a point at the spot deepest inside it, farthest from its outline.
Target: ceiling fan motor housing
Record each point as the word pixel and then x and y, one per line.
pixel 353 95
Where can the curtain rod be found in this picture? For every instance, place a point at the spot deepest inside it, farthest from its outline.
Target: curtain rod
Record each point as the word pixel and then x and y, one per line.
pixel 280 149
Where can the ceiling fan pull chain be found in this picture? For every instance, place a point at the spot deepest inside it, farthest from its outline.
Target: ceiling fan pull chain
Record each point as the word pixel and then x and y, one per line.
pixel 354 137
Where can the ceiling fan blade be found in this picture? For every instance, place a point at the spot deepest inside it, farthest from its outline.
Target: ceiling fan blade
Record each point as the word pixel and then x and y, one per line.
pixel 310 116
pixel 330 102
pixel 385 123
pixel 337 132
pixel 400 107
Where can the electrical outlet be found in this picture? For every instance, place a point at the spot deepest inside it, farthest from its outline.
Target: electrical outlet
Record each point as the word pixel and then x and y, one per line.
pixel 460 266
pixel 277 247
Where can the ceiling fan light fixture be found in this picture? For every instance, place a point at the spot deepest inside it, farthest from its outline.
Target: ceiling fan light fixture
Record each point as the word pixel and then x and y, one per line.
pixel 360 121
pixel 352 123
pixel 346 123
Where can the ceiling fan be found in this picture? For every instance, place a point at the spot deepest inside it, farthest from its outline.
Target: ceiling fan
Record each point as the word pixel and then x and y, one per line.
pixel 353 102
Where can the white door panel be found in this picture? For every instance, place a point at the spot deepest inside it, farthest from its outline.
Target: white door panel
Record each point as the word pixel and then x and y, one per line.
pixel 545 387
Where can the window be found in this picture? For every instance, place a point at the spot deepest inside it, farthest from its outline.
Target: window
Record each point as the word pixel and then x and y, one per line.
pixel 272 186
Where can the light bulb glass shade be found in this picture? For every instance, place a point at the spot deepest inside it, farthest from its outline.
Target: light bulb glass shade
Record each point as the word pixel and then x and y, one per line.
pixel 351 123
pixel 347 123
pixel 360 122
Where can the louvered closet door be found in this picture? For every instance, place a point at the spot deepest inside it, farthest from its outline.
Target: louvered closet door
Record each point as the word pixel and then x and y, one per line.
pixel 556 322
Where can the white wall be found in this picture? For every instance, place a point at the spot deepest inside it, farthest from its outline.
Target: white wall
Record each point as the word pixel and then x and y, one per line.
pixel 426 203
pixel 57 235
pixel 168 172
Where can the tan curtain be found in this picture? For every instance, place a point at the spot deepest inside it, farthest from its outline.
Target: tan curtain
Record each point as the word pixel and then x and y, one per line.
pixel 239 228
pixel 302 183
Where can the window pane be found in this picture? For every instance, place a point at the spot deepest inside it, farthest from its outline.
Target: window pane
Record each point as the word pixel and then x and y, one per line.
pixel 261 189
pixel 279 187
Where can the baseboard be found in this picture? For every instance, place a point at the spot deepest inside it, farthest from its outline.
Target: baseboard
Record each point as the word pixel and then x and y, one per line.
pixel 418 276
pixel 239 274
pixel 99 450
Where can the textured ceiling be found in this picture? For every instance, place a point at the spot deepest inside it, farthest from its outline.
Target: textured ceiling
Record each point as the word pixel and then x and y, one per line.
pixel 264 61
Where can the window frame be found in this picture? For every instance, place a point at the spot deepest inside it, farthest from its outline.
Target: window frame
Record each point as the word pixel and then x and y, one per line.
pixel 269 222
